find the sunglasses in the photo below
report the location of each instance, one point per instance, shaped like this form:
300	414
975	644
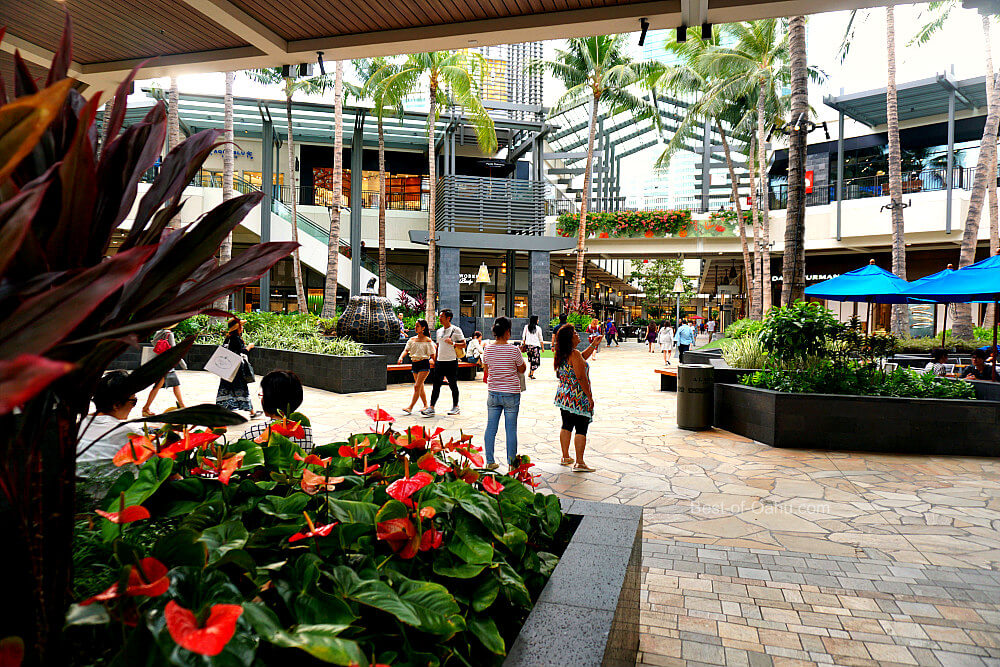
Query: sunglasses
133	401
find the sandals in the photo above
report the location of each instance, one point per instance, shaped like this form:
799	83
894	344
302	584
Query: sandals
583	468
566	461
146	412
408	411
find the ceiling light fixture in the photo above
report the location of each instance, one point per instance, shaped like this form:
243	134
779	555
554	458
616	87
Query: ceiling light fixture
644	27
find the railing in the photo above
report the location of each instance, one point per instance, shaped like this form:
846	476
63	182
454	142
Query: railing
866	187
495	205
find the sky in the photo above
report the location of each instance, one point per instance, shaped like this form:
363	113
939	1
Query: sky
960	44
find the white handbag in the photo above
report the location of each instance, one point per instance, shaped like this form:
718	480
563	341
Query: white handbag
523	381
225	363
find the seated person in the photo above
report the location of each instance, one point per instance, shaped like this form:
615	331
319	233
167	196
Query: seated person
978	370
936	366
103	434
474	351
280	394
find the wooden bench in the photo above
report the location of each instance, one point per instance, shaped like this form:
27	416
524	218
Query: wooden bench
668	378
399	373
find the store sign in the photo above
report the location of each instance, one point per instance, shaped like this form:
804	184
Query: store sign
237	152
466	278
810	277
809	182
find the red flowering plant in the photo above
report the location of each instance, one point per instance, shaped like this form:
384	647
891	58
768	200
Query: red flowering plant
628	224
374	550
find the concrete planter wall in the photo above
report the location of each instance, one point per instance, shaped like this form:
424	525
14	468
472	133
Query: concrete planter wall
343	375
860	423
588	612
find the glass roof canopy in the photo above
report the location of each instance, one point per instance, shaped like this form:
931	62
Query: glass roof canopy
915	99
314	123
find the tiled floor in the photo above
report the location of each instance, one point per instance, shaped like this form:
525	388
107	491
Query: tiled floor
756	555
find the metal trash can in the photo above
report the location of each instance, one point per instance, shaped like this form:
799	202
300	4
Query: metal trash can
695	396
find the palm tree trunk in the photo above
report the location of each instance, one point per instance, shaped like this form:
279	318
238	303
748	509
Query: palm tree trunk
332	283
173	133
430	309
962	327
105	120
228	167
764	257
793	259
300	294
736	199
581	240
991	184
383	272
900	312
753	278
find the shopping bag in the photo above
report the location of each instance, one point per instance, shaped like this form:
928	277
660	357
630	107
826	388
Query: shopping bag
225	363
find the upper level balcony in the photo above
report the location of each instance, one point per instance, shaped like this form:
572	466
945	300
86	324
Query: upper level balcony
490	205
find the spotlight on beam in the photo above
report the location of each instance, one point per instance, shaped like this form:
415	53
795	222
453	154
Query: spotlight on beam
706	31
319	61
682	34
644	27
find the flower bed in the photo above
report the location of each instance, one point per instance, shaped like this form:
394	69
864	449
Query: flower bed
649	224
389	548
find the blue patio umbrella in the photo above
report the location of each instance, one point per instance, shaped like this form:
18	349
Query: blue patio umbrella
869	284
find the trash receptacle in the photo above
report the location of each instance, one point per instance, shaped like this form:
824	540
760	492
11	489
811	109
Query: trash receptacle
695	396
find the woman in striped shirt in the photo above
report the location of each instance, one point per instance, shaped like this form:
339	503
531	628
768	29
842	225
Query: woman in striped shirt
503	363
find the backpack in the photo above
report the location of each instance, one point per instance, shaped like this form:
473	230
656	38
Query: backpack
162	345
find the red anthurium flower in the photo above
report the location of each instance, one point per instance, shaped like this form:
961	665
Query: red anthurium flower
289	429
355	451
402	489
128	515
368	470
314	530
138	450
491	485
222	470
430	463
401	535
379	415
468	475
209	639
188	442
428	512
431	539
151	582
312	459
312	483
475	457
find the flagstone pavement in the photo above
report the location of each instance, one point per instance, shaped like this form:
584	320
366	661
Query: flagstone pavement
753	555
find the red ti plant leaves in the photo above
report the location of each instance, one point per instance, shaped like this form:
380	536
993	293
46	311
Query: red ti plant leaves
60	61
24	376
152	581
16	216
128	515
209	639
25	120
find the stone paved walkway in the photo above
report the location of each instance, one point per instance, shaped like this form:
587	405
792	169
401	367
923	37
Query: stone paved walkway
755	555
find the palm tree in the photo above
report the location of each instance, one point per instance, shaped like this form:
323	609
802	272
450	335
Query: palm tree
373	73
173	132
793	264
692	77
452	80
310	86
228	167
598	70
331	284
900	320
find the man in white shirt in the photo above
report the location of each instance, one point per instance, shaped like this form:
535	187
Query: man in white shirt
450	346
710	327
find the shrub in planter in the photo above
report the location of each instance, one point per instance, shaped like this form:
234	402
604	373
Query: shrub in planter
388	548
743	329
630	224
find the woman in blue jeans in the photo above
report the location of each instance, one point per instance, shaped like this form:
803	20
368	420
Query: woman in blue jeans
503	363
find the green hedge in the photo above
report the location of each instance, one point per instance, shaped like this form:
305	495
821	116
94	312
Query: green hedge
297	332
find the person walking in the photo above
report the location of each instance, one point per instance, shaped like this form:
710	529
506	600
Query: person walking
594	336
531	344
650	335
162	341
665	337
574	397
684	337
235	395
710	328
610	332
503	363
450	345
420	349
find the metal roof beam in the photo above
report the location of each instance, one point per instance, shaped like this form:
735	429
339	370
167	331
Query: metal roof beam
950	84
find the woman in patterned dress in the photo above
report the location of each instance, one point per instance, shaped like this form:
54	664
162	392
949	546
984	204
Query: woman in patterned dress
574	397
531	344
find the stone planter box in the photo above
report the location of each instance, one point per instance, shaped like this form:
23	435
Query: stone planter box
588	613
860	423
343	375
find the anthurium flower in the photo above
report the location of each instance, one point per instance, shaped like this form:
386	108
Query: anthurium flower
355	451
128	515
188	442
312	482
431	539
288	429
430	463
403	488
379	415
138	450
314	530
428	512
223	469
468	475
368	470
491	485
209	639
312	459
152	581
474	456
401	535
